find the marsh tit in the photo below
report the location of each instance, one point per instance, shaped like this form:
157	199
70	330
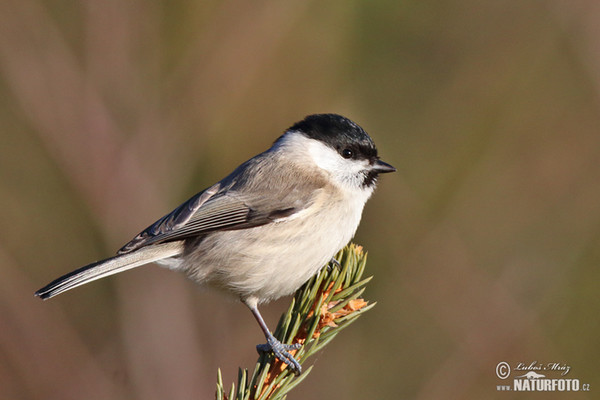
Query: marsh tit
266	228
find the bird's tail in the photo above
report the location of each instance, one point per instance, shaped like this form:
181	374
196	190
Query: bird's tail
110	266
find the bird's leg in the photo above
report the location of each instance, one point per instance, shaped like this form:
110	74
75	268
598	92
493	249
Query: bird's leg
280	350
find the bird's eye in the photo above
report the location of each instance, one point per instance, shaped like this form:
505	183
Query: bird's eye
347	153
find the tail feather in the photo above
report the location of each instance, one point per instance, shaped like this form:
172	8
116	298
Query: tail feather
110	266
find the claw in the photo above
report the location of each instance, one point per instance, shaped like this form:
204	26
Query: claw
281	351
333	262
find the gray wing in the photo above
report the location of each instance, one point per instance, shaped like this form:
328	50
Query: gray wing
217	209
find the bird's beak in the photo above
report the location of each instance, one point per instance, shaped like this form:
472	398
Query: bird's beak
382	167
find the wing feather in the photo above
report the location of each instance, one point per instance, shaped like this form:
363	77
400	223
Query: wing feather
223	207
222	212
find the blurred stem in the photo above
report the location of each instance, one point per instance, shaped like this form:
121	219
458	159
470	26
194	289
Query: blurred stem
320	309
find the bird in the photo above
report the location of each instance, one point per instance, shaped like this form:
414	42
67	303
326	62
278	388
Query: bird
266	228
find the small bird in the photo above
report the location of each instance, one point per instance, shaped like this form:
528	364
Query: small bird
267	227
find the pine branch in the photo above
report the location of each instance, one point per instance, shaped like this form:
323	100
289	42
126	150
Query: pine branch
335	292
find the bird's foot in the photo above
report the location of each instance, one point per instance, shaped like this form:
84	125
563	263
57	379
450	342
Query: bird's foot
282	352
333	263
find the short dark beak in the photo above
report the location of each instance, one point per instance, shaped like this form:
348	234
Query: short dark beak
382	167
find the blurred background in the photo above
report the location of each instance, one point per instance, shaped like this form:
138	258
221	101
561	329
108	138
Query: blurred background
484	245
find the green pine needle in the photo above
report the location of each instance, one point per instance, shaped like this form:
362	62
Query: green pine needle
336	295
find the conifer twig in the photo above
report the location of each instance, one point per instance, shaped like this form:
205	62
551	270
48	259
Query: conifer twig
330	301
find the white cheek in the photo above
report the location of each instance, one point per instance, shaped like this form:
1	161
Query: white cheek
346	172
348	175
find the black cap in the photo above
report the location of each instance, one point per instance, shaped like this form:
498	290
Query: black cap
339	133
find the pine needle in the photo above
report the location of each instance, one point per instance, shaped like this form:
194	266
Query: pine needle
329	302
